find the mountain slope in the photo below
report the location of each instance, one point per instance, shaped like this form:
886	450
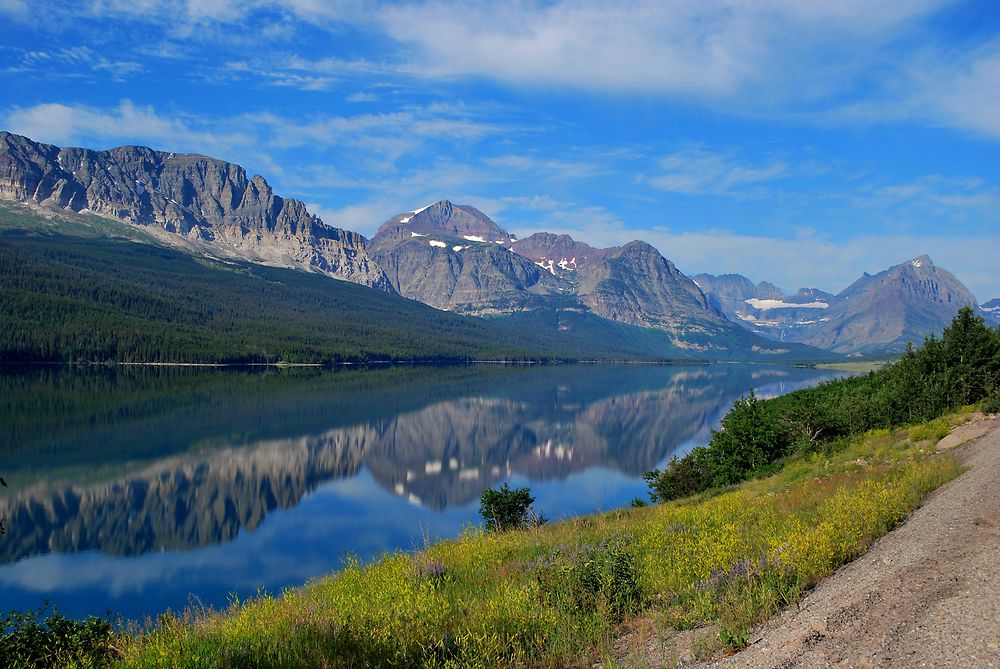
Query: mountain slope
190	201
557	253
904	303
73	291
635	284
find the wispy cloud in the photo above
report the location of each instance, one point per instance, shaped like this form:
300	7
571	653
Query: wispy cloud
842	61
362	96
697	171
72	62
548	168
710	49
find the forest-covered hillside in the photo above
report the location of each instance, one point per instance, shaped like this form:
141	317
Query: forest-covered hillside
73	293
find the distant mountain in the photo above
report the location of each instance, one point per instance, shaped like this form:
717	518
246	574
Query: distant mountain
731	293
879	313
184	200
635	284
991	311
454	257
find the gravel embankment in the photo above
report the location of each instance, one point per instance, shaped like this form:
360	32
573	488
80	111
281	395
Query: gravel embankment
925	595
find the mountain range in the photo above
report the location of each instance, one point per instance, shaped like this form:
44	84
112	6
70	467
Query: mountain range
876	313
454	258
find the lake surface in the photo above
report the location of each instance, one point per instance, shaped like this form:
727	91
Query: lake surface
133	490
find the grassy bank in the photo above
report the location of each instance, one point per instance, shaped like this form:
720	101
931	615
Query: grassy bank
555	595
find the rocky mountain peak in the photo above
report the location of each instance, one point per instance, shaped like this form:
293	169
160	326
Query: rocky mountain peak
636	284
917	280
878	312
553	251
187	200
444	221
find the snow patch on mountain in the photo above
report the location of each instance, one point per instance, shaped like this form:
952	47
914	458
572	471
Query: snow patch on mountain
406	219
779	304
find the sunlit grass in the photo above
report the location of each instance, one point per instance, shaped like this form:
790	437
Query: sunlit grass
556	595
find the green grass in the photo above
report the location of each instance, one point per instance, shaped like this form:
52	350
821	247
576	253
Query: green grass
558	595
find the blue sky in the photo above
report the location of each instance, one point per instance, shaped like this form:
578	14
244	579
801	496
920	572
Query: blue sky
796	142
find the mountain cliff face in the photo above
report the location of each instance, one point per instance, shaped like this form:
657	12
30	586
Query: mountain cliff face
635	284
191	201
903	303
876	313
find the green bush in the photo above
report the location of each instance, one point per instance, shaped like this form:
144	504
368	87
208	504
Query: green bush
507	509
752	436
960	368
992	403
28	640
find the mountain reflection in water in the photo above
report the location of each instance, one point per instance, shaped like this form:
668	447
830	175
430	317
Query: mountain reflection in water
126	462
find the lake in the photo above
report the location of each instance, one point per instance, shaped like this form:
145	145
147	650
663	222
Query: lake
138	489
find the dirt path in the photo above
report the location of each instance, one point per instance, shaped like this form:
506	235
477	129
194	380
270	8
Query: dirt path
925	595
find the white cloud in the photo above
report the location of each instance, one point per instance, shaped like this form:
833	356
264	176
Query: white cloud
362	96
548	168
842	61
376	141
393	132
710	48
364	217
696	171
963	92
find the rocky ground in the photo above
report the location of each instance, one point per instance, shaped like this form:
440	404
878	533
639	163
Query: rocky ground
925	595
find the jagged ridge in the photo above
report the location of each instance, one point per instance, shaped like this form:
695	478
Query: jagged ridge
186	200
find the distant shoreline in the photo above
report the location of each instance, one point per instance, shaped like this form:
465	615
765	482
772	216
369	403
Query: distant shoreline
431	362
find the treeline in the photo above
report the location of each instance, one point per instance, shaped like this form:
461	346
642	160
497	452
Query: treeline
960	368
66	298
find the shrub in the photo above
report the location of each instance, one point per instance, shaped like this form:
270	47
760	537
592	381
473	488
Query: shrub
56	641
992	403
590	577
507	509
682	477
959	369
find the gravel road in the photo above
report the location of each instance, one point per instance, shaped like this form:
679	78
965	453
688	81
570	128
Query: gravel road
925	595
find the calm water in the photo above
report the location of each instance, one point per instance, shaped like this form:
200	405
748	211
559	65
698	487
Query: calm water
130	489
